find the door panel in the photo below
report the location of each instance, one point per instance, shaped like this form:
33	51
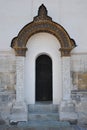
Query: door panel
43	78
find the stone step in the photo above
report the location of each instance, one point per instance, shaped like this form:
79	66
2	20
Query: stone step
38	116
46	125
43	125
42	108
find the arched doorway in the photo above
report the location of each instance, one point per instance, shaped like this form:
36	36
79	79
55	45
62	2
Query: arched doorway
42	23
43	78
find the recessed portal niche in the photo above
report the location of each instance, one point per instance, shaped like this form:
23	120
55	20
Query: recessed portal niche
43	78
38	45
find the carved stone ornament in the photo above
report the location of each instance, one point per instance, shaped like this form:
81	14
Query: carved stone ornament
42	23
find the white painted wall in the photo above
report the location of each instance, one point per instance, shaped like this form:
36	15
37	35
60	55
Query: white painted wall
42	43
72	14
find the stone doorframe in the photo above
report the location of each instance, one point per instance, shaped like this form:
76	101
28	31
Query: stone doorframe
42	23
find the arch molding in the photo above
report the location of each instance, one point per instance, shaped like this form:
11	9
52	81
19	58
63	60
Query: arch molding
42	23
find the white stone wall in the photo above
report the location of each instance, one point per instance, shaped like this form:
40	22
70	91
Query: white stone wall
7	84
79	62
78	70
7	70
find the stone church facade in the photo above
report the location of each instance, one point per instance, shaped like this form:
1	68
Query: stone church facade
42	68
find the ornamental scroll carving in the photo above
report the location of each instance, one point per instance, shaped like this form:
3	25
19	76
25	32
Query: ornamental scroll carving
42	23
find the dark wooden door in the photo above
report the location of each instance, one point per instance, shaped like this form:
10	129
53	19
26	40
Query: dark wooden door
43	78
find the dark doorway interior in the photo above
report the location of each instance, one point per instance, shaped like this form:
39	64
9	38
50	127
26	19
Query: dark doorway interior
43	78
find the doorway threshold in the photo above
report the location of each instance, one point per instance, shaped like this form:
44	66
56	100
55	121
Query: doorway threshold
44	102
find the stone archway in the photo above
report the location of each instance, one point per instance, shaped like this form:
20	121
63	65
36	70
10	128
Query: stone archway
42	23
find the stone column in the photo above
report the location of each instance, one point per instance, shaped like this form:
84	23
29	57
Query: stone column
19	111
20	78
67	107
66	80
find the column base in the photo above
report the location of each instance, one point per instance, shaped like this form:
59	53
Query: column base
19	112
67	112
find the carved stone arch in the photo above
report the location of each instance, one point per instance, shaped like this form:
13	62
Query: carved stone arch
42	23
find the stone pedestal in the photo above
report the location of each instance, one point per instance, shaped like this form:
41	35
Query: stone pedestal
19	112
81	108
67	112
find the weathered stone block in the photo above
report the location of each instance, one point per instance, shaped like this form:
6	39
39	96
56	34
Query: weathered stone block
19	112
79	80
82	81
81	106
67	106
82	112
67	112
68	116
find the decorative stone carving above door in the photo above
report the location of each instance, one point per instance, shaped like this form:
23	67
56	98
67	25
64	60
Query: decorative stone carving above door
42	23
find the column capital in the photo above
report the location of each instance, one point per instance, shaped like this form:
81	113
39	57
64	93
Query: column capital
20	51
65	51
